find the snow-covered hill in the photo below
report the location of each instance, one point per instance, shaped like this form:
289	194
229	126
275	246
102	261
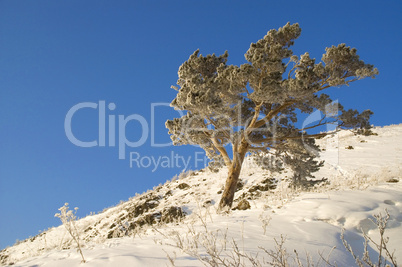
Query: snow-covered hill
148	229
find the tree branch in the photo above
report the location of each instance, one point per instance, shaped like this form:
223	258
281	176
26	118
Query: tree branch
217	128
222	150
321	123
285	138
255	117
287	104
272	113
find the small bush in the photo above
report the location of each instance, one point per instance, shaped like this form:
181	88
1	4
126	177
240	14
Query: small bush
68	218
384	254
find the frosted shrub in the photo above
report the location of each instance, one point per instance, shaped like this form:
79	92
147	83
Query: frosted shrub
185	173
385	256
215	248
265	220
68	218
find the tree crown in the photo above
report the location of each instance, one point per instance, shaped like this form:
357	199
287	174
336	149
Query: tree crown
259	101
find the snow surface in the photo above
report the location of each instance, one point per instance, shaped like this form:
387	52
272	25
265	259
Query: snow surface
358	168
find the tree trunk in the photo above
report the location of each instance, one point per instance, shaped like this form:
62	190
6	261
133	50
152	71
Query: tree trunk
233	177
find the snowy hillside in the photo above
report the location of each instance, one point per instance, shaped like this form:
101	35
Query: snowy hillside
175	222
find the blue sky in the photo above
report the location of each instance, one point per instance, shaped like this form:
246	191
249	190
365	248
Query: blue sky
57	54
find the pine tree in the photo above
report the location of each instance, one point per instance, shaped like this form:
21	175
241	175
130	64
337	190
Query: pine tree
255	107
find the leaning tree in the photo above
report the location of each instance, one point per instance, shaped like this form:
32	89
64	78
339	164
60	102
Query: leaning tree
254	107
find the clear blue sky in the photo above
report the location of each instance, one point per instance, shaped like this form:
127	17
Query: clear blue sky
57	54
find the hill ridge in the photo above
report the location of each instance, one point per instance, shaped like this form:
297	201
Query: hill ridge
352	163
